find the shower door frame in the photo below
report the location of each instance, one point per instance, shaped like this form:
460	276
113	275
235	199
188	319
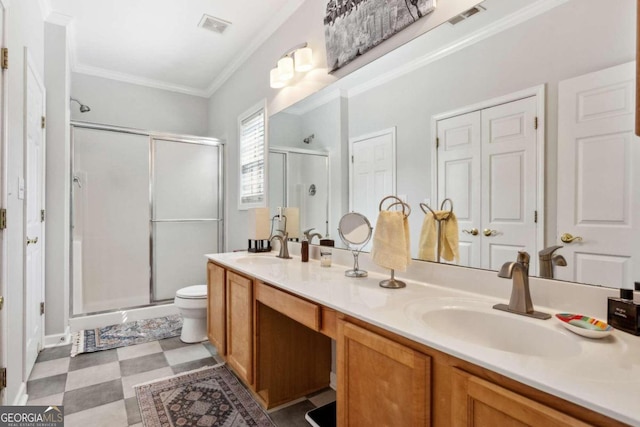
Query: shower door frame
153	136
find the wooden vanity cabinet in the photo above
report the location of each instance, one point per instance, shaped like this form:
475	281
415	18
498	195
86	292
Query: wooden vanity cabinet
476	402
381	382
386	379
217	307
239	344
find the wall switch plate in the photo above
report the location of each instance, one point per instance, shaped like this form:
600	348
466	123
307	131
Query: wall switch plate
20	188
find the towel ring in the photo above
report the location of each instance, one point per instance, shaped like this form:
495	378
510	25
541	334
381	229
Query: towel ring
442	205
405	206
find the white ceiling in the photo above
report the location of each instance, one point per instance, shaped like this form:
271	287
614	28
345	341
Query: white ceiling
158	43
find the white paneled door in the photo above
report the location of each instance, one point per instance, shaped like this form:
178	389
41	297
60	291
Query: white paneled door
34	203
599	210
509	183
487	162
459	179
372	172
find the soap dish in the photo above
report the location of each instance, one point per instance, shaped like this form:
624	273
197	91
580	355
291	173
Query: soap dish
583	325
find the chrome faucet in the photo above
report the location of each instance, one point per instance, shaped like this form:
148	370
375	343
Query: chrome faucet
520	301
309	235
548	260
284	239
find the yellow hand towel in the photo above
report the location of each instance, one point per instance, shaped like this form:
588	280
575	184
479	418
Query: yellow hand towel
428	236
448	237
391	241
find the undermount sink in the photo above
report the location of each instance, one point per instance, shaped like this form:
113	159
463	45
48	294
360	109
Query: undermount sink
259	260
500	331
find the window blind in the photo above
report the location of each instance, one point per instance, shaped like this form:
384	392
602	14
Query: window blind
252	164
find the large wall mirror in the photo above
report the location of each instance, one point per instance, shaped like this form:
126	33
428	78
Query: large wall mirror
514	66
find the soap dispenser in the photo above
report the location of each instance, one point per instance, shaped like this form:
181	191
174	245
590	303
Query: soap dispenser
304	250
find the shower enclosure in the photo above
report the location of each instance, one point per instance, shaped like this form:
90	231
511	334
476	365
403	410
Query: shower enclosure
145	208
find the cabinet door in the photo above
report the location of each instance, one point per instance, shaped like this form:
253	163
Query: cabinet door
240	325
380	382
476	402
216	307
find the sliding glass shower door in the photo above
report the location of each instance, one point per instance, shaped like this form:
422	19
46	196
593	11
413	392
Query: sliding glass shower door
110	222
145	210
186	213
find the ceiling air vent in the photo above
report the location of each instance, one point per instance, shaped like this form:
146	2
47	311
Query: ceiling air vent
214	24
466	14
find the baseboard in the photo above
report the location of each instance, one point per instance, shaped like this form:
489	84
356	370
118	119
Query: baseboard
22	396
333	381
58	339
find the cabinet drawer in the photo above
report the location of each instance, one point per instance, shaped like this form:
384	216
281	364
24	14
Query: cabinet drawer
329	324
296	308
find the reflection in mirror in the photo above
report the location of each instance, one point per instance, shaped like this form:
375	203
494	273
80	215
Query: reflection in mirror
355	231
565	181
299	178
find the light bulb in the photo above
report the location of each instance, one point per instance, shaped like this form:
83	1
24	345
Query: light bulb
304	59
285	68
274	79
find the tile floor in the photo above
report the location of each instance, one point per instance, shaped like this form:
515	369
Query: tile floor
97	388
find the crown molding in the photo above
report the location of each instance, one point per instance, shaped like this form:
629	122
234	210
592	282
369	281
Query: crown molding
129	78
58	18
317	101
477	36
273	25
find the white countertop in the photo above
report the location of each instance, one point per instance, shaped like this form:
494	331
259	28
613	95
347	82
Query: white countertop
603	375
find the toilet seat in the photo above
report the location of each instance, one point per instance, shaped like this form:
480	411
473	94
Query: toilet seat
193	292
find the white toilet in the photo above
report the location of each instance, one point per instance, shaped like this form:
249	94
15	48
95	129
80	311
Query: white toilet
192	303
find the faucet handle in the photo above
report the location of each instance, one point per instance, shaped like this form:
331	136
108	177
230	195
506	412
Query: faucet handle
523	258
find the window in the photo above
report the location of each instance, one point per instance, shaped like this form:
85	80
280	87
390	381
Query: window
252	153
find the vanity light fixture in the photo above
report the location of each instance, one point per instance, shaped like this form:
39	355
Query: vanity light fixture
297	59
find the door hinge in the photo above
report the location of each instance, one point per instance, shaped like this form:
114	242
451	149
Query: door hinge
351	159
41	215
3	378
4	58
437	143
1	302
3	219
41	308
44	122
535	123
535	216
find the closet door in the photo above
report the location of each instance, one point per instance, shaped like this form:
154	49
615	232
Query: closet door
509	183
459	179
186	213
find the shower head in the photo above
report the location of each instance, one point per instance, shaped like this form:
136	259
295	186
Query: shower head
83	108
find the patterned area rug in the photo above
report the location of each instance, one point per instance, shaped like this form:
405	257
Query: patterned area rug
124	334
206	397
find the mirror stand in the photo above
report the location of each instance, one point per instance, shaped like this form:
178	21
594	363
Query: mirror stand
356	272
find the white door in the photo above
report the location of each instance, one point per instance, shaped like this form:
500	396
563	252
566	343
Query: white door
459	179
34	196
3	204
595	133
372	172
509	183
487	161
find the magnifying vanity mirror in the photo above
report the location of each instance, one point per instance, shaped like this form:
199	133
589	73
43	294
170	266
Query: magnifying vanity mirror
355	231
